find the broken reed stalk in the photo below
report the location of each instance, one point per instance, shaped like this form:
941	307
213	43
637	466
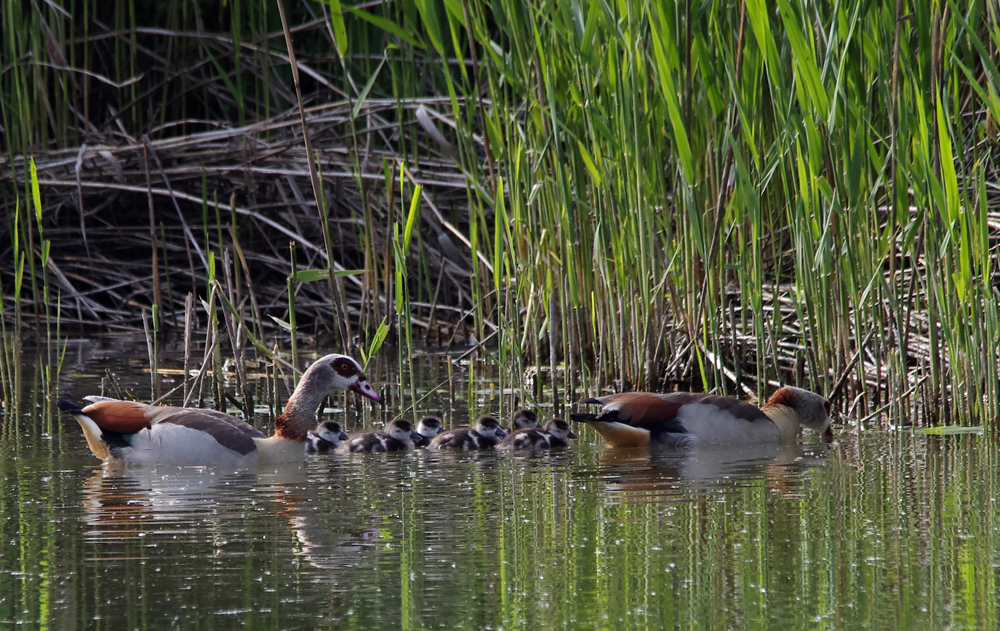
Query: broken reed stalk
189	327
342	324
232	312
292	317
151	350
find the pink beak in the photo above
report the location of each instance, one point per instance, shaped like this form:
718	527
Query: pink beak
365	389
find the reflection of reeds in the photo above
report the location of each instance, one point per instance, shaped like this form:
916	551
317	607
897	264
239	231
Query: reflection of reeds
639	193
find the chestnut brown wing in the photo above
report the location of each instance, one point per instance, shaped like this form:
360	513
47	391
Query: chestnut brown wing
642	408
122	417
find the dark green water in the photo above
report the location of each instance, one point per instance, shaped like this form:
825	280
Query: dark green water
886	530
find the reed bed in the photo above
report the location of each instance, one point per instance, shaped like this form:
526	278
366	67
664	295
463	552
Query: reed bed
726	195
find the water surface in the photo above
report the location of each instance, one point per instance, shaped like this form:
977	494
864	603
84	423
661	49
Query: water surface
881	530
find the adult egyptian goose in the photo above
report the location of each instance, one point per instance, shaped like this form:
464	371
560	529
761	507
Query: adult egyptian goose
638	419
130	433
554	436
326	437
428	428
398	436
485	434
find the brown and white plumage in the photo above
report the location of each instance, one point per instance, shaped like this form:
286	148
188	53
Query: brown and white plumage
428	427
130	433
398	436
326	437
485	434
524	419
554	436
637	419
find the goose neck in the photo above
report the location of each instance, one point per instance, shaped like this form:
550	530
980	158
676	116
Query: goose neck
785	417
300	411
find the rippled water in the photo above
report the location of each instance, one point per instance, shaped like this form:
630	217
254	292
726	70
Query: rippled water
885	530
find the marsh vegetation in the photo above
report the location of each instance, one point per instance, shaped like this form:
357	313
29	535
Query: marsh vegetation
560	197
729	195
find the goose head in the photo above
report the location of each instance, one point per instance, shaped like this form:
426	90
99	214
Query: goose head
812	409
339	372
524	419
429	427
559	429
488	426
402	430
331	432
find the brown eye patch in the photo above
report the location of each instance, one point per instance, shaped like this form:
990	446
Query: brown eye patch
344	367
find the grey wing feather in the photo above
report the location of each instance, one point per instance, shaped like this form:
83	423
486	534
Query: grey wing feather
739	409
228	431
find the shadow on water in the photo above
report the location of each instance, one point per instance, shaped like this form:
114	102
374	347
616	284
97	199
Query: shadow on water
877	530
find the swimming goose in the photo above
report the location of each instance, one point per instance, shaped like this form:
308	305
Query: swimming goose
637	419
428	428
554	436
327	436
398	436
131	433
484	435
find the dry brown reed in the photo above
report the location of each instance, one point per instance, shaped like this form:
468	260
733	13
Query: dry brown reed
253	182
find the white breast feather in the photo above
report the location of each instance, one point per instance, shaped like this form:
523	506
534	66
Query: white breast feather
170	444
709	425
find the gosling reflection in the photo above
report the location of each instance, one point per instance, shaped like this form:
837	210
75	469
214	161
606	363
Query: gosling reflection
323	545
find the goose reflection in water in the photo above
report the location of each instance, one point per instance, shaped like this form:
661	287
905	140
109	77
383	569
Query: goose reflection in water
230	507
124	503
642	475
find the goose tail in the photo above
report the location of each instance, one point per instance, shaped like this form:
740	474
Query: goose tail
93	433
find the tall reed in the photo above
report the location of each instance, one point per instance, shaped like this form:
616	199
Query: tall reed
730	196
824	179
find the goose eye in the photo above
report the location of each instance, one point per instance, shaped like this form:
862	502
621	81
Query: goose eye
343	367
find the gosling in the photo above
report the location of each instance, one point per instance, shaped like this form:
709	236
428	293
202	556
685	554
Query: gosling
428	428
554	436
484	435
326	437
399	436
